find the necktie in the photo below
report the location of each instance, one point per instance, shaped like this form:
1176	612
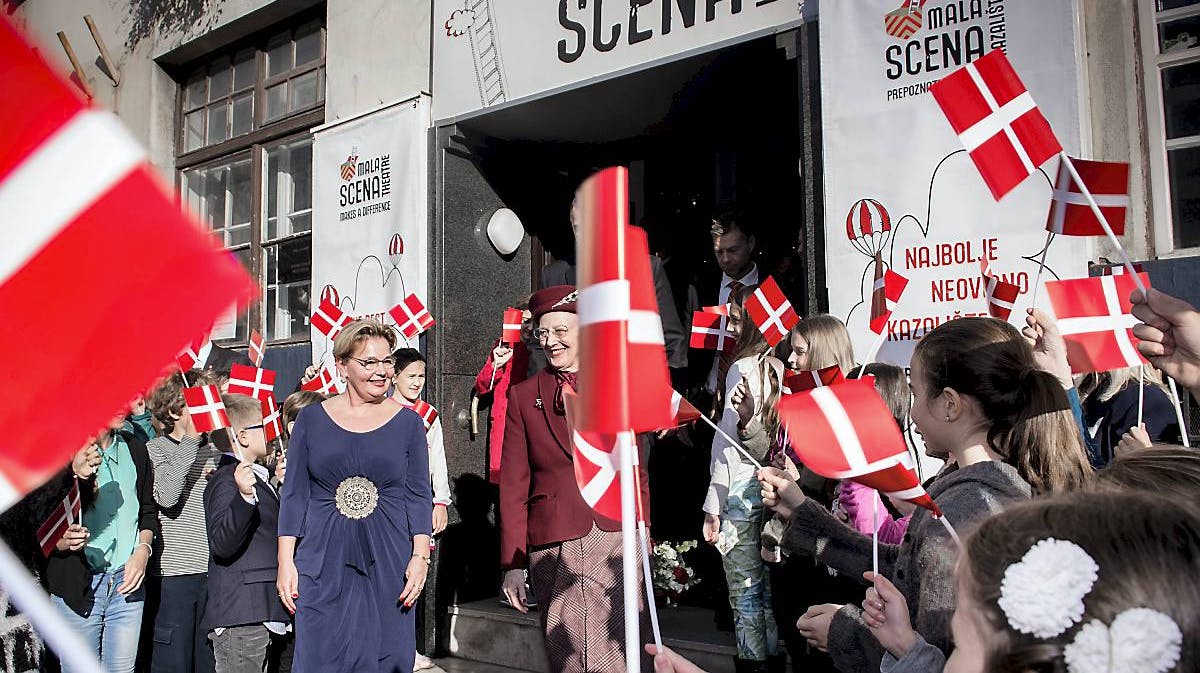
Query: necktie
727	357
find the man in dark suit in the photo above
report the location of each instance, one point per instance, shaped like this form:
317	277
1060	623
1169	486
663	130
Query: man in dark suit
244	616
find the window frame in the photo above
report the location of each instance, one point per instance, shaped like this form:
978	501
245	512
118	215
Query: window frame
1153	65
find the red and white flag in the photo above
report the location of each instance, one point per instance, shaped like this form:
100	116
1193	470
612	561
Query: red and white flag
685	412
597	462
511	331
902	23
189	358
423	409
1070	214
709	330
256	348
272	419
76	189
997	121
412	317
329	319
325	382
884	296
67	513
623	376
771	311
252	381
798	382
207	410
847	432
1000	294
1095	318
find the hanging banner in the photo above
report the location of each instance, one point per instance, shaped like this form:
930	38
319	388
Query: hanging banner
898	183
490	52
370	205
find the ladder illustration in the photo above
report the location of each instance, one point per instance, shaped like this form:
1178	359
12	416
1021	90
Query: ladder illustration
485	52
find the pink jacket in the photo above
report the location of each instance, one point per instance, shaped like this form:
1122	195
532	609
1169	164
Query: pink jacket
855	499
512	372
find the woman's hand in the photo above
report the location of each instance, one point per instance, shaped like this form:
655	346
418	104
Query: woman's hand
743	402
74	539
669	661
418	568
712	528
500	356
1049	347
135	570
814	625
1135	440
86	461
287	582
514	589
780	492
440	517
886	613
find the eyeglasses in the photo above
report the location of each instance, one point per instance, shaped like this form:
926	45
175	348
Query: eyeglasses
373	364
559	332
255	427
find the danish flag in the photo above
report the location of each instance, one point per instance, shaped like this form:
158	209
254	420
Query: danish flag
1000	294
771	311
1070	214
685	412
412	317
597	461
798	382
67	513
207	410
424	409
619	327
255	349
252	381
324	382
847	432
997	121
76	190
902	23
1094	316
190	357
272	418
511	331
885	295
709	330
329	319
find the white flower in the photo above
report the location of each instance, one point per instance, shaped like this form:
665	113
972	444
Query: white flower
1140	640
1042	594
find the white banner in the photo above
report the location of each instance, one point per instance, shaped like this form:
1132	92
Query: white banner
370	205
891	156
490	52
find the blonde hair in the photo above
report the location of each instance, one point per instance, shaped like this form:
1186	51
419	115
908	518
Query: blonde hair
358	331
243	411
828	342
1105	385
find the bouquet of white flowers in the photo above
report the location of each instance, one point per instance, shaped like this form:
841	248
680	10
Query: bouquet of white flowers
672	575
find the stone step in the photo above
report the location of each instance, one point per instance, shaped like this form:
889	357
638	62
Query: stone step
497	635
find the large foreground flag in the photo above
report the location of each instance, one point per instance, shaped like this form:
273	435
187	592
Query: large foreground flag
1070	214
1095	318
597	462
67	513
997	121
76	191
685	412
847	432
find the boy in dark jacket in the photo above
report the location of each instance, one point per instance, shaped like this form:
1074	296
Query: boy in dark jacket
241	508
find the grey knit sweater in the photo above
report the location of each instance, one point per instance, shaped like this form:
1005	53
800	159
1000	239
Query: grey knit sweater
922	566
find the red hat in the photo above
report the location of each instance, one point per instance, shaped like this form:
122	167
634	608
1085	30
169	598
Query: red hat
557	298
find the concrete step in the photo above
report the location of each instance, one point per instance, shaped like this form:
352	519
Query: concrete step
497	635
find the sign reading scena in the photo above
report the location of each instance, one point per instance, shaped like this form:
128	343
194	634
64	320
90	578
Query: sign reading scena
490	52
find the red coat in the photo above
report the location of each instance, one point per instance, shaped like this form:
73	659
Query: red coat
497	382
540	502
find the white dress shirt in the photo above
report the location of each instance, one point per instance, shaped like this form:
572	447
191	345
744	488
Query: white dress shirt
751	278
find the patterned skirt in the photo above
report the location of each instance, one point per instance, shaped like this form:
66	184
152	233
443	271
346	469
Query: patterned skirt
577	585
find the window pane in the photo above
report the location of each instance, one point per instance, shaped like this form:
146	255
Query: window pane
276	102
279	56
1164	5
235	324
243	114
216	182
197	92
193	130
289	189
304	91
289	272
1181	100
1184	166
308	44
239	195
243	70
218	123
1179	35
220	81
220	195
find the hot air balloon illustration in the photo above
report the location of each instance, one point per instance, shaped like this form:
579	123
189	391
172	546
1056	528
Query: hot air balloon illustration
330	294
868	226
396	249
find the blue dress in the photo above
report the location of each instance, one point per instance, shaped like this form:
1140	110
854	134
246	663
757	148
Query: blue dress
355	500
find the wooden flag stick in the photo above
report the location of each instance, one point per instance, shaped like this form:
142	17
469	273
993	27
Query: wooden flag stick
629	568
736	444
1183	431
1141	393
875	532
1087	194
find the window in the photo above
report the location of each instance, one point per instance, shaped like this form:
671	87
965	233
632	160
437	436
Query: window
1172	45
245	167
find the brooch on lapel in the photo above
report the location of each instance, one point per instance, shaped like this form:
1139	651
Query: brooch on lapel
537	404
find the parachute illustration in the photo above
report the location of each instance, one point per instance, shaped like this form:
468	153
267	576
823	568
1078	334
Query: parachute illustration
868	226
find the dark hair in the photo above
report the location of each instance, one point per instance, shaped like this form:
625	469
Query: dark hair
165	401
294	403
1029	420
1146	547
730	220
892	385
1172	471
405	357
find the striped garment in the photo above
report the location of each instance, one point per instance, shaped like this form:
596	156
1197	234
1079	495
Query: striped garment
180	469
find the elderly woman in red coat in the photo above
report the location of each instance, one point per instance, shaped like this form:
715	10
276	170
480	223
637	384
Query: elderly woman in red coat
573	554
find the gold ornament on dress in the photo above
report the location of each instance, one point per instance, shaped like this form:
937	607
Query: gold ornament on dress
356	497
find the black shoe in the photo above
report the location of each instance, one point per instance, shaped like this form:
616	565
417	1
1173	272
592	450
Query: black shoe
749	666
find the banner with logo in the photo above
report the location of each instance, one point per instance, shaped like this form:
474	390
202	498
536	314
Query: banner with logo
489	52
897	181
370	207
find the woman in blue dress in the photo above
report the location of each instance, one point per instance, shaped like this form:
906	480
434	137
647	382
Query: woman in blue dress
355	518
